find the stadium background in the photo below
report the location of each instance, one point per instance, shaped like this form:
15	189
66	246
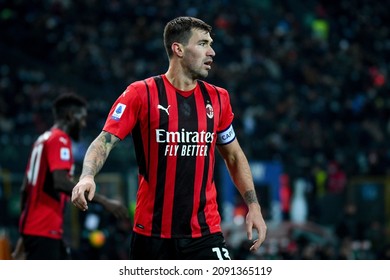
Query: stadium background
309	87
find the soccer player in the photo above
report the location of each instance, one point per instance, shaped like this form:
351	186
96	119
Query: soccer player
176	121
48	184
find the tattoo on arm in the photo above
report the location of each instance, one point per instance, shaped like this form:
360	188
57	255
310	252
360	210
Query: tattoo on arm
98	152
250	197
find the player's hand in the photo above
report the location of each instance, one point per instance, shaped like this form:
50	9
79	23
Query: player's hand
254	220
116	208
85	186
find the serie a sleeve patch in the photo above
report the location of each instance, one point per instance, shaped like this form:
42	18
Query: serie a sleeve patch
118	112
65	153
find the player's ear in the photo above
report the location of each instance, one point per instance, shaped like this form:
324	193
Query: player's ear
177	49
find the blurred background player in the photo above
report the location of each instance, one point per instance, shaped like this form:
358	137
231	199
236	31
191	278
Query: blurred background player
48	183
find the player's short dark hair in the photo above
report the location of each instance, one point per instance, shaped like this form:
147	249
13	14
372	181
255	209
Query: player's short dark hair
179	30
65	103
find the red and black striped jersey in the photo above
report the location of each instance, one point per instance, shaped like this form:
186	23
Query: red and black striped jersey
175	133
44	209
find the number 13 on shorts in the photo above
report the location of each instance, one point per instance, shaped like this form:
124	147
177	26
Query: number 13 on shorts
222	253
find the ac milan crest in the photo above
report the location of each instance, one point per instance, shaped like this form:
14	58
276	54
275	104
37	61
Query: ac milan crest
209	111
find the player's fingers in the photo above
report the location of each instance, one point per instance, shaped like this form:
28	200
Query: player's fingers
262	235
74	195
78	199
82	202
262	230
256	245
249	226
91	194
79	205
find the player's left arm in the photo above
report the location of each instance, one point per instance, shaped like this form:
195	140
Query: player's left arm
63	183
241	175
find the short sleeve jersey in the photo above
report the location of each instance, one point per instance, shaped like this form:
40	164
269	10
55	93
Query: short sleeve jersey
175	134
44	209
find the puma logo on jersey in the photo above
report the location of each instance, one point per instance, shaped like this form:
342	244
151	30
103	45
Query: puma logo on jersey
163	108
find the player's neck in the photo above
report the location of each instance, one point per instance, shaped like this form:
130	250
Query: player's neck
62	126
179	80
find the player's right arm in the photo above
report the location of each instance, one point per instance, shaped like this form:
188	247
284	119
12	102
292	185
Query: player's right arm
94	160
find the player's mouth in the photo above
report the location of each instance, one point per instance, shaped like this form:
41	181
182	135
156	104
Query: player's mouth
208	64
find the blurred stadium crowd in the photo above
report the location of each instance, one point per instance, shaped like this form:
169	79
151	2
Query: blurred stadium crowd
308	82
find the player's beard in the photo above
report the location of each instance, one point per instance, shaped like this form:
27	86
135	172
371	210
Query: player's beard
194	68
198	73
